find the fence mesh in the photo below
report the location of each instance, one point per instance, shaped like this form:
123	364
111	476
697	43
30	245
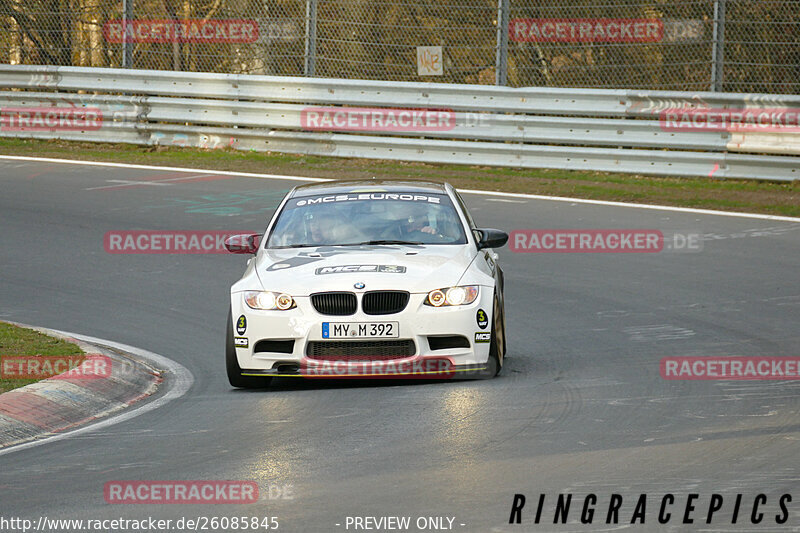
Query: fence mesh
658	45
726	45
762	46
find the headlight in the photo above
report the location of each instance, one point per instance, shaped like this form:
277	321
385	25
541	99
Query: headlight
268	300
463	295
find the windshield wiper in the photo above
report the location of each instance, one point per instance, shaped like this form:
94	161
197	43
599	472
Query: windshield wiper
365	243
387	241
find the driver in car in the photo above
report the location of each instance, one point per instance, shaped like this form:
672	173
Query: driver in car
417	223
321	228
416	226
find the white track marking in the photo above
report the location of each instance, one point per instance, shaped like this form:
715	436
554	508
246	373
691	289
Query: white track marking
179	383
464	191
154	167
122	183
132	183
638	206
506	201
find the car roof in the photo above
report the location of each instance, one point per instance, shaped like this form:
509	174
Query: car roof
356	186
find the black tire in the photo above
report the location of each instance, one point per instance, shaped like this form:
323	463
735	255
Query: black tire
503	329
235	376
497	346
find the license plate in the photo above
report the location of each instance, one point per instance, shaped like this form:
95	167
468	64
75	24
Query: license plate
359	330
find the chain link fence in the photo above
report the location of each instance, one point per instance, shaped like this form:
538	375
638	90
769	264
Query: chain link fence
722	45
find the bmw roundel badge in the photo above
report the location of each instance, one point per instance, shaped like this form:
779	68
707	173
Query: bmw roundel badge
359	285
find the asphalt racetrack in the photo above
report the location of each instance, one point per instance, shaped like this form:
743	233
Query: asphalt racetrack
580	408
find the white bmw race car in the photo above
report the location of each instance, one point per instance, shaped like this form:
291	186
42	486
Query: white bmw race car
367	279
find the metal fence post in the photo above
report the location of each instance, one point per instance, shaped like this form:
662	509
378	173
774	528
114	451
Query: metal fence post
311	38
501	66
127	45
718	52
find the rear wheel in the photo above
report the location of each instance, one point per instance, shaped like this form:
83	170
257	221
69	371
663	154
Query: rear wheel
235	376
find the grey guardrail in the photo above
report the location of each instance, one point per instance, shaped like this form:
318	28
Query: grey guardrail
587	129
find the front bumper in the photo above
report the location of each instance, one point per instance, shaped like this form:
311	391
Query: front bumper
291	332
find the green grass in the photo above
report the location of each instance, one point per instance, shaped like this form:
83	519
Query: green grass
16	341
778	198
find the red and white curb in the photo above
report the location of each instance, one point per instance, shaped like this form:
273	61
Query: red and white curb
54	408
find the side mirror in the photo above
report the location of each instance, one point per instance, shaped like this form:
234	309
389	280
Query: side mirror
246	243
491	238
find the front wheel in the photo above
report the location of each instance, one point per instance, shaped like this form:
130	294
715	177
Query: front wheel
235	377
497	346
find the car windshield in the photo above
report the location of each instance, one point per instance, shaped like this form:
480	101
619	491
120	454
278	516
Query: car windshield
367	218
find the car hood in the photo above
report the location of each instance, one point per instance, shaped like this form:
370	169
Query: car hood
303	271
